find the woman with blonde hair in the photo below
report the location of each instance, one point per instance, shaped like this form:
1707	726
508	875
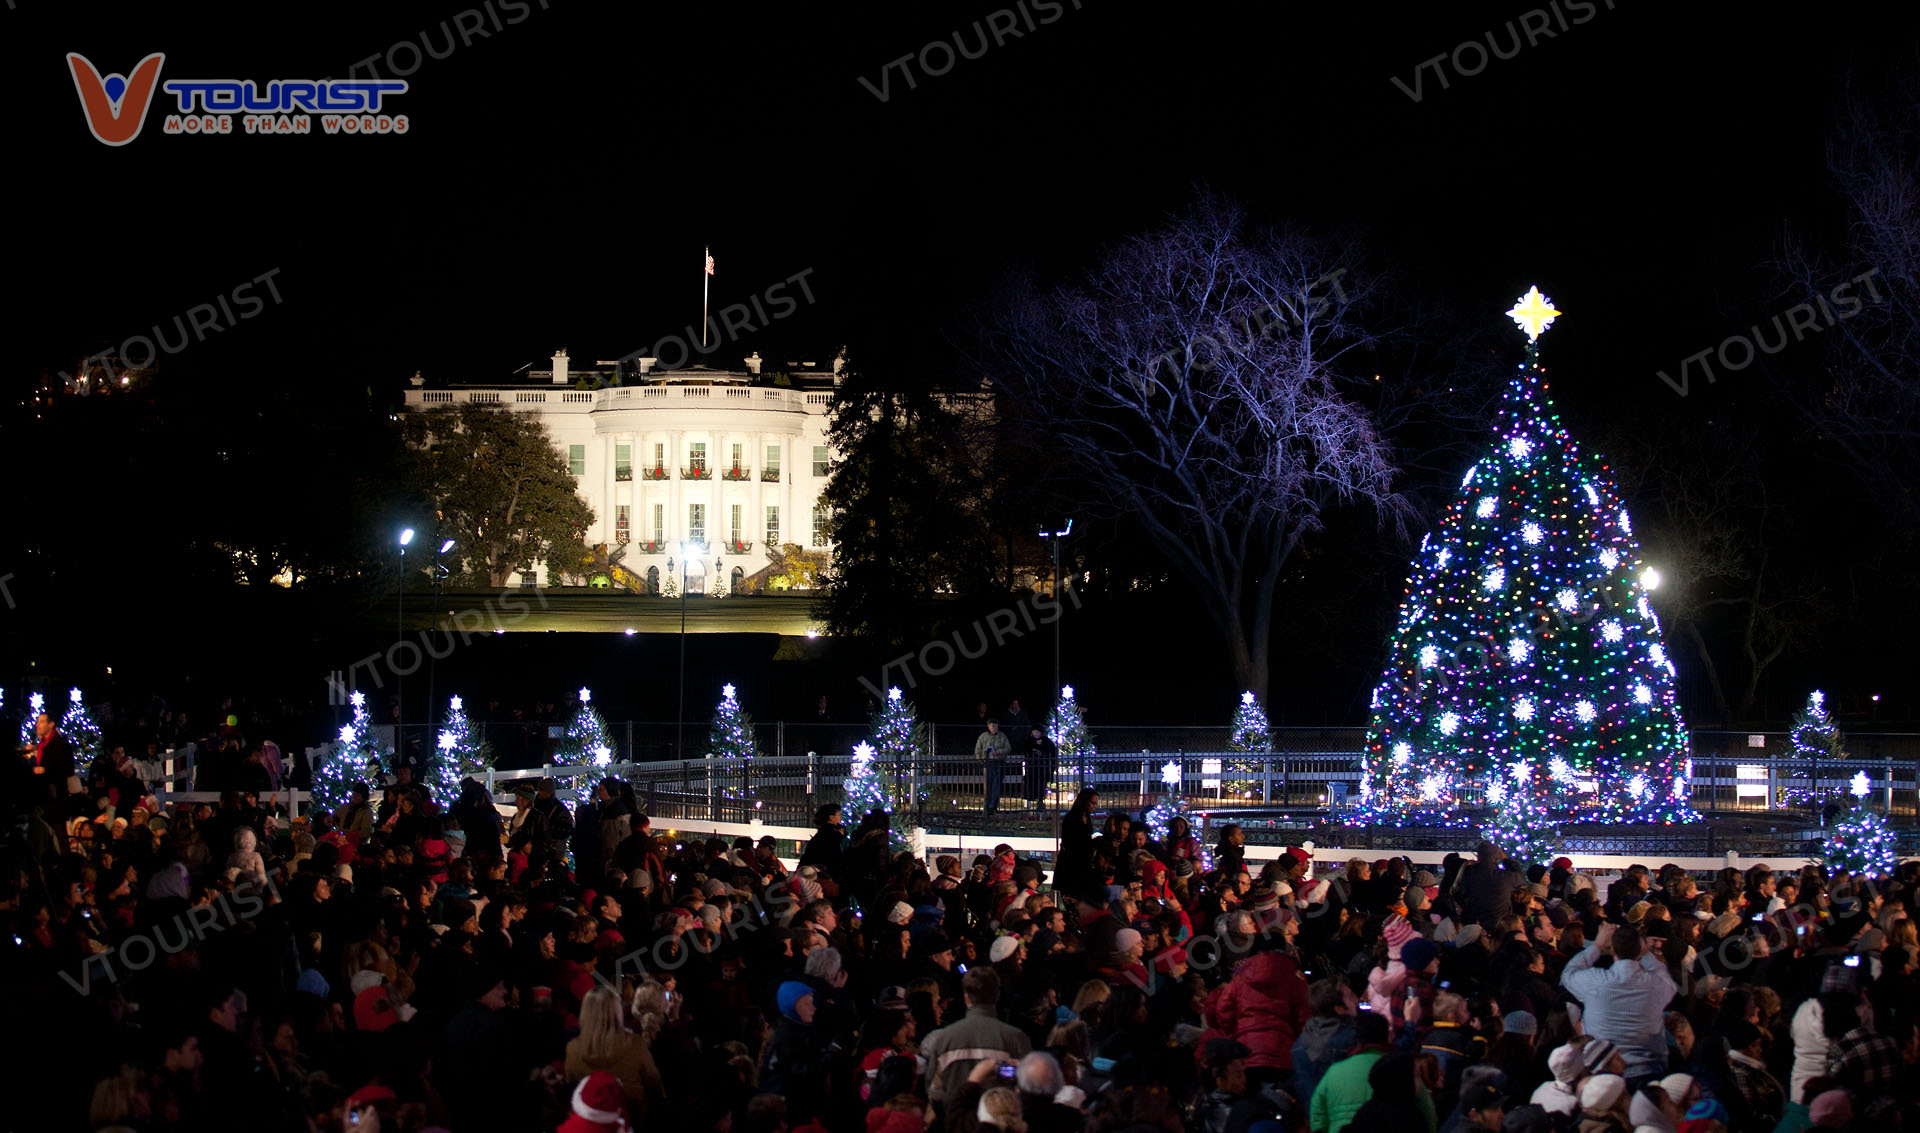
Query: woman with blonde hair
1000	1108
604	1043
650	1009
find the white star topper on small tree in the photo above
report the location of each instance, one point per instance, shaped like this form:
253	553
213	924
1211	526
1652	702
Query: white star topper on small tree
1534	312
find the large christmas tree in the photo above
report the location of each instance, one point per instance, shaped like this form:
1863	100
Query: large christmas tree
1816	751
900	745
1528	652
333	780
461	754
587	741
81	730
1068	731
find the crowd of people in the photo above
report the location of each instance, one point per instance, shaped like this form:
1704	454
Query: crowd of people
413	963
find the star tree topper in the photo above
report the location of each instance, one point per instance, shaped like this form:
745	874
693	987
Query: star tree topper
1533	312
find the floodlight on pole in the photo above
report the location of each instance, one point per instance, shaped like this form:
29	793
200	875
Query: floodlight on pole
1057	537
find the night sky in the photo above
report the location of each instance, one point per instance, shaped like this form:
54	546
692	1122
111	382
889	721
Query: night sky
561	175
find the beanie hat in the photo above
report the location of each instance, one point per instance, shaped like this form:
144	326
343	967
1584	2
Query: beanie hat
1596	1054
1397	932
1003	947
1709	1109
1838	978
1602	1092
1125	940
1833	1108
1418	953
901	913
1521	1023
599	1106
313	983
1676	1085
713	887
789	997
1565	1064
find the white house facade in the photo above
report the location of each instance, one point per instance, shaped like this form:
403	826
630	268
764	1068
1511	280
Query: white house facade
701	469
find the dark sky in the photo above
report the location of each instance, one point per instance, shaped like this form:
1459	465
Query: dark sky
562	174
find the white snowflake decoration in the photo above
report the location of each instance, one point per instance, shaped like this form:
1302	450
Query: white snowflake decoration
1612	632
1449	723
1626	523
1519	447
1429	656
1561	770
1522	773
1593	497
893	694
602	755
1569	600
1488	505
1609	558
586	694
1637	787
457	703
359	698
346	733
1431	786
446	741
1441	558
1523	709
1496	792
1584	711
1496	578
1861	785
1517	649
1402	753
1246	698
1532	533
1643	694
1170	773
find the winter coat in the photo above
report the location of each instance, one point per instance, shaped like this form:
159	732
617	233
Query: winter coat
1485	892
1264	1007
1810	1048
1325	1040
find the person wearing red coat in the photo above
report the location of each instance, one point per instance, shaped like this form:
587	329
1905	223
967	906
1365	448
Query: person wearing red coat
1263	1007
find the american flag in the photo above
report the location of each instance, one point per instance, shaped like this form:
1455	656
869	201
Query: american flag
709	263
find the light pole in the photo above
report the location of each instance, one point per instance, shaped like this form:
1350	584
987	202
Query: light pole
439	572
680	714
400	675
1057	537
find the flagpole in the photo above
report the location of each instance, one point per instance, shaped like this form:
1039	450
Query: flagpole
706	282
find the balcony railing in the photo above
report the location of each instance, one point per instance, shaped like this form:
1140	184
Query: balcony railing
623	474
699	473
737	473
736	547
651	546
656	473
770	476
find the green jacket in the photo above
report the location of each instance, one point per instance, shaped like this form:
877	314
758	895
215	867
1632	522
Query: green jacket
992	745
1344	1090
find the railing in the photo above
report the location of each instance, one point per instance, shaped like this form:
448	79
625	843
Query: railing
736	547
651	546
577	395
770	476
436	397
526	396
654	474
483	397
700	473
737	473
622	475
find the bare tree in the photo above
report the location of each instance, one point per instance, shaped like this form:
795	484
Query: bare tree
1194	380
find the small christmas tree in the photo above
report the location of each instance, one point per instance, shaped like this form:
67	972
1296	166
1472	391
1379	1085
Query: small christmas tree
587	741
731	742
899	738
1816	750
1521	824
333	780
1251	735
1068	730
864	787
29	730
1862	842
81	731
1172	804
461	755
672	589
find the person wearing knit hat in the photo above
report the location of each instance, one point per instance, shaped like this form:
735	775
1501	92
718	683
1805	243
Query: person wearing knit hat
1601	1058
1520	1023
795	1000
599	1106
1003	948
1603	1100
900	914
1126	941
1561	1094
1681	1088
1419	954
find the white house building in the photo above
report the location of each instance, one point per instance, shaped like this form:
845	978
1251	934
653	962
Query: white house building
700	468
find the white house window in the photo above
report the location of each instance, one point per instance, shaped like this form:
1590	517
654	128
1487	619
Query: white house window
622	523
739	458
820	525
773	526
659	523
697	455
733	517
623	462
659	454
771	469
697	522
577	459
819	460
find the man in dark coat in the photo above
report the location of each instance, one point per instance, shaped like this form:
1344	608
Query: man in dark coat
1485	890
824	849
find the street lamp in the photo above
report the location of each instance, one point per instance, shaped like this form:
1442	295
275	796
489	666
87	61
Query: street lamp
399	632
1057	537
680	715
439	573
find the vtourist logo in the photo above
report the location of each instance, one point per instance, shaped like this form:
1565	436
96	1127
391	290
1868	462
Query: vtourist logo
116	106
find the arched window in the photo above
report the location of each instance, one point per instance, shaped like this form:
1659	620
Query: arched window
653	580
739	581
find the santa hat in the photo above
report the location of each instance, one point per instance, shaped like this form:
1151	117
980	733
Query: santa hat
599	1106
